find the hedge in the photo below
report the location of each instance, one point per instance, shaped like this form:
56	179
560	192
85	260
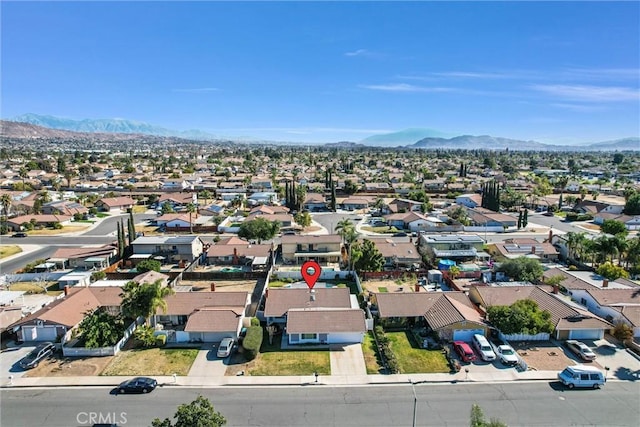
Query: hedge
252	342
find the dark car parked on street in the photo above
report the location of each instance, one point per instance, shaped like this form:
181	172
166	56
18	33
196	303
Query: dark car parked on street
138	385
41	352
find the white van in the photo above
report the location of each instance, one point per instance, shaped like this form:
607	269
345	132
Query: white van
484	348
582	376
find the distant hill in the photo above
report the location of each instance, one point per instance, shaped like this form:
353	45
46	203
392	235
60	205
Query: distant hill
30	126
109	126
403	137
18	130
486	142
624	144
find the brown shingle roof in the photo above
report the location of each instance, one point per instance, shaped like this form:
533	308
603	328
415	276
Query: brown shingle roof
185	303
570	281
70	310
560	311
312	238
280	301
325	320
412	304
117	201
151	277
106	250
447	311
210	319
613	297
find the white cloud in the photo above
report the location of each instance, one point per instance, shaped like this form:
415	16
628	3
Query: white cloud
197	90
603	73
404	87
359	52
590	93
579	107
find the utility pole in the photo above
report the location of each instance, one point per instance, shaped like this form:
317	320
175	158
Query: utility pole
415	402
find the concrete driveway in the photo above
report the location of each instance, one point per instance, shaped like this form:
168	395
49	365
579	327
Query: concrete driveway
207	364
347	360
622	364
9	359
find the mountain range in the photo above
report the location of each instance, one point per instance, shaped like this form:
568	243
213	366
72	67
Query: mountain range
417	138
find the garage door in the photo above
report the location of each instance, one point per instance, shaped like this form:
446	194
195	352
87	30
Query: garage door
586	334
35	333
466	334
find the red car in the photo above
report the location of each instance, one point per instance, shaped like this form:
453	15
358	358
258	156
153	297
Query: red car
464	351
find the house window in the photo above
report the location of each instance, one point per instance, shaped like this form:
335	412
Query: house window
309	336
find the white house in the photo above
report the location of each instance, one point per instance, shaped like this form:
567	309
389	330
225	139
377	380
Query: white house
469	200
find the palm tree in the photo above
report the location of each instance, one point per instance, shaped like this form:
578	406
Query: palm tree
144	299
575	243
5	201
632	257
191	208
206	195
605	247
622	245
343	227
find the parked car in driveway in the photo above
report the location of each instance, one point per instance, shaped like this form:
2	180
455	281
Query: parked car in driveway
224	349
581	350
38	354
464	351
138	385
484	348
507	355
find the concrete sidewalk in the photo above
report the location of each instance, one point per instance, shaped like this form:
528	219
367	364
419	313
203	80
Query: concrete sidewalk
249	381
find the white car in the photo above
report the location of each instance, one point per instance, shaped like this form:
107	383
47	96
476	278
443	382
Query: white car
225	347
483	348
507	355
581	349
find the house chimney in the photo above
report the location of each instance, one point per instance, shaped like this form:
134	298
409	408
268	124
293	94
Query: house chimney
213	286
533	249
416	287
550	234
555	289
266	293
66	290
605	283
312	295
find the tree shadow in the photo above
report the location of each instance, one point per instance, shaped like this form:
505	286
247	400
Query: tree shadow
627	374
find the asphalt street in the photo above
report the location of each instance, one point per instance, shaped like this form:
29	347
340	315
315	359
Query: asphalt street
526	404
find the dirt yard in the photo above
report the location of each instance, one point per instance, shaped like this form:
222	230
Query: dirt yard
543	356
221	285
70	367
390	286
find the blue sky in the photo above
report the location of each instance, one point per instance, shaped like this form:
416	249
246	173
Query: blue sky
329	71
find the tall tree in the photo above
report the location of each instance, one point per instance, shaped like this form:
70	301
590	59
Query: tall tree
199	413
191	208
144	299
5	201
367	257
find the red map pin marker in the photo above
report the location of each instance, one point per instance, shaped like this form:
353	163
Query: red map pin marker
310	273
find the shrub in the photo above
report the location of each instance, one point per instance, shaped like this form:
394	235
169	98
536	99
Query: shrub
144	336
161	340
98	275
622	331
252	342
255	321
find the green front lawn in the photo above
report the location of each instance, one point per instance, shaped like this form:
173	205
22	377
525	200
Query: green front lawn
9	250
413	359
34	288
370	354
152	361
272	361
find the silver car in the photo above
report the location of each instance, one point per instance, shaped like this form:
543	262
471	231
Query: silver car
225	347
581	349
